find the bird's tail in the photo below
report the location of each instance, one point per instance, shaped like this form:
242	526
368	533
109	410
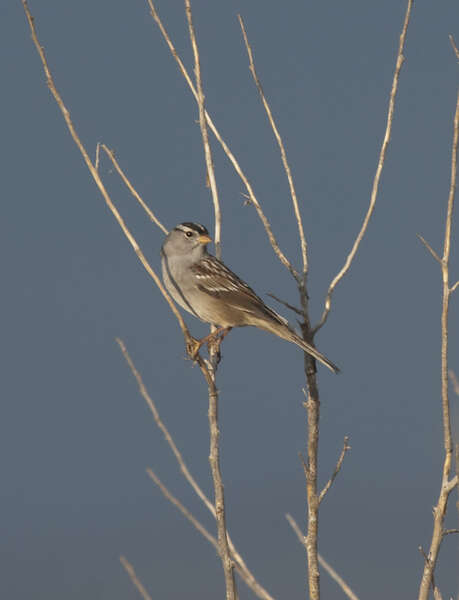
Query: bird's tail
313	352
282	329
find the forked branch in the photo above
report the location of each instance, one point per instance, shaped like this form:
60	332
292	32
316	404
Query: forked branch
251	194
296	209
240	564
330	570
447	483
377	177
95	174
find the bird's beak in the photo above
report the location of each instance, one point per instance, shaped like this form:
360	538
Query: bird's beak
204	239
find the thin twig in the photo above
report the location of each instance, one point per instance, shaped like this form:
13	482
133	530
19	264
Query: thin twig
176	452
286	304
453	287
253	199
450	531
203	127
185	512
454	381
243	570
97	159
128	184
135	580
96	176
338	466
214	456
382	156
239	564
447	484
303	243
429	248
453	44
330	570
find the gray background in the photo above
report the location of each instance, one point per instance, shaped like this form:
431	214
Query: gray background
75	437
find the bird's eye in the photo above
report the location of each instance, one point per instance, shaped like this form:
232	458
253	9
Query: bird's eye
188	233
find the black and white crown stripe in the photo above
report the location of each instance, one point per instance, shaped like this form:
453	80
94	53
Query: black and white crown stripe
196	227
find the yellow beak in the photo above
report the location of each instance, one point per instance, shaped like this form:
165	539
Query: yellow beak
204	239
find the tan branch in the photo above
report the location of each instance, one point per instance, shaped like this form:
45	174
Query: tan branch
286	304
96	176
204	133
185	512
382	156
130	187
253	199
447	484
97	159
280	143
135	580
454	286
453	44
243	570
214	456
454	381
239	565
337	469
330	570
429	248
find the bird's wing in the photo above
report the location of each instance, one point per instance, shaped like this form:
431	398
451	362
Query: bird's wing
215	279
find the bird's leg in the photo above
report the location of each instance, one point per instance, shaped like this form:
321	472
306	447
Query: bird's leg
218	340
195	345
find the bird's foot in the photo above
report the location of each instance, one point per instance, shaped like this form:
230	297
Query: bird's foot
192	347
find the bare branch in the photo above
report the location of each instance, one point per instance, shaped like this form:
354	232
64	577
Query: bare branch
304	247
453	287
96	177
238	563
176	452
330	570
382	156
214	456
97	159
286	304
266	224
429	248
135	580
454	381
205	136
338	466
453	44
450	531
244	571
185	512
128	184
447	484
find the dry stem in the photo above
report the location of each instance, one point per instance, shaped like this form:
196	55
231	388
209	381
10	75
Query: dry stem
338	466
330	570
203	126
135	580
253	200
128	184
374	191
243	570
304	246
96	177
239	565
447	484
214	456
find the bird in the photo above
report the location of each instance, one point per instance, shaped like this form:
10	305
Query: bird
205	287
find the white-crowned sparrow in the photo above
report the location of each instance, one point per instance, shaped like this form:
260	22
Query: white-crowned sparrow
205	287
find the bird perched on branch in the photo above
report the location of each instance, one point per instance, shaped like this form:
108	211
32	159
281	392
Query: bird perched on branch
205	287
